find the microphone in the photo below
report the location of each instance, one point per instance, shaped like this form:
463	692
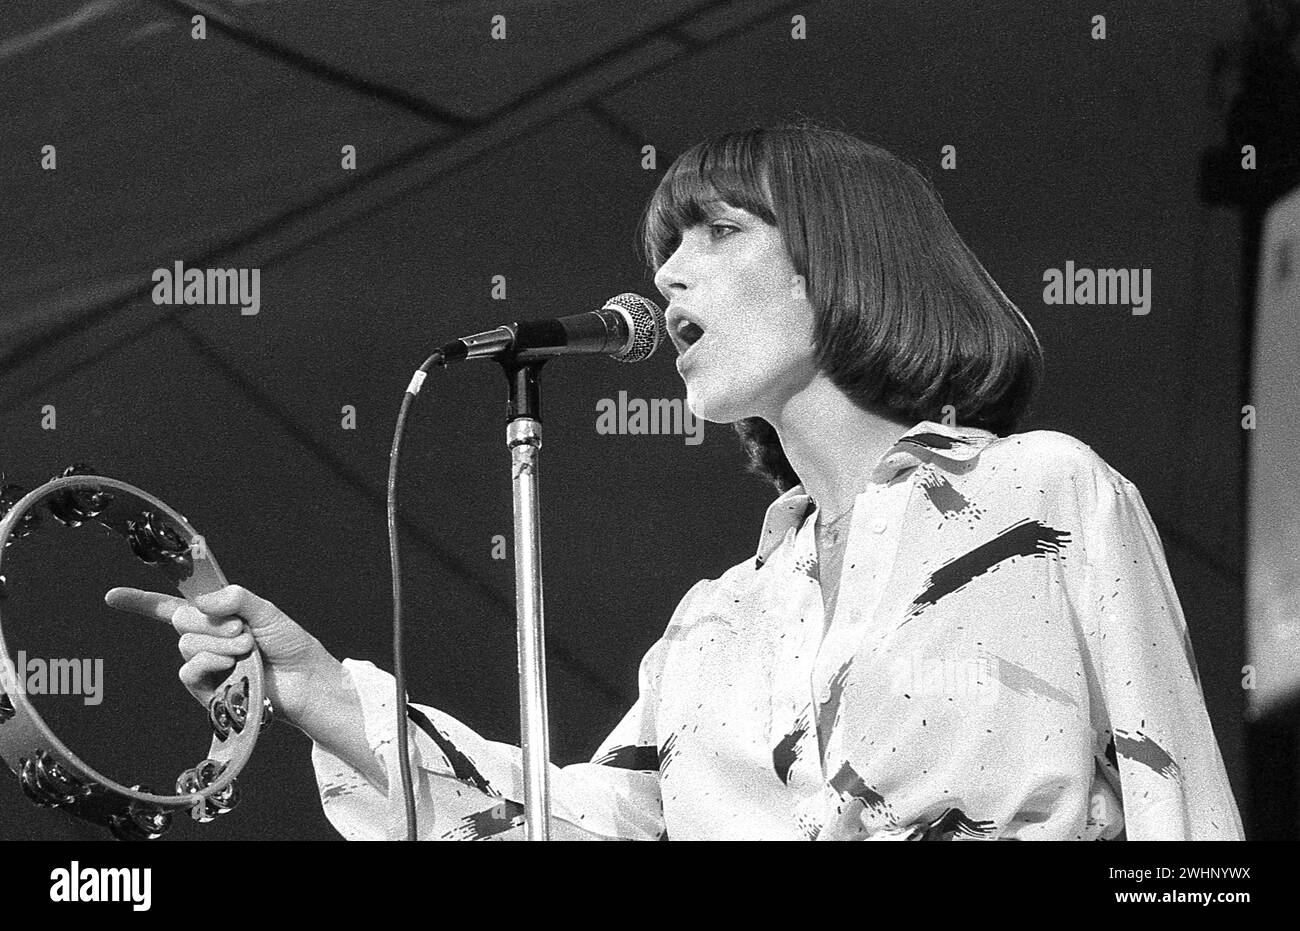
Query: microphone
629	328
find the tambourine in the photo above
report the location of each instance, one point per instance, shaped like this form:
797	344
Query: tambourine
50	774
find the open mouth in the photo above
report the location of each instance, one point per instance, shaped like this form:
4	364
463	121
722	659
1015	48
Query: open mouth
689	333
683	329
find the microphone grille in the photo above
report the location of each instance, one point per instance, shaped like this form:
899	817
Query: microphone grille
647	323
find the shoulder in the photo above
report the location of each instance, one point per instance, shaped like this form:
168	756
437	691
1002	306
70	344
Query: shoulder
1053	457
1050	447
1050	473
719	593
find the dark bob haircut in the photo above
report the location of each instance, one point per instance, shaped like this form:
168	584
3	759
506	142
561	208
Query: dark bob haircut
908	324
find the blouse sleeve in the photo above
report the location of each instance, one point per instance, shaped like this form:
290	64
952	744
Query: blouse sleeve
1160	753
470	788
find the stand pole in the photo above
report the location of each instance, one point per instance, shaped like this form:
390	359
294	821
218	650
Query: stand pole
524	439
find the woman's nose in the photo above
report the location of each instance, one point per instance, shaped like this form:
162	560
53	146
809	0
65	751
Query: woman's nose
669	278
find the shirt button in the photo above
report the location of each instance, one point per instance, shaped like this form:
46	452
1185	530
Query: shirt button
878	526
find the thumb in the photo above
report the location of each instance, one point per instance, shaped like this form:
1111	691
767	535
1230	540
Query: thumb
236	600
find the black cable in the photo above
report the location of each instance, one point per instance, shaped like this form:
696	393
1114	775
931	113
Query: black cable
399	673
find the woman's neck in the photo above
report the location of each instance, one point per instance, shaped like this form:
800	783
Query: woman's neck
833	444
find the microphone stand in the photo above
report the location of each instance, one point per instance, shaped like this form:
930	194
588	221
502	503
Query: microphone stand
524	439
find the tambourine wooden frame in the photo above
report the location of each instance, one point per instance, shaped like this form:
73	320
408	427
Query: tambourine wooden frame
25	737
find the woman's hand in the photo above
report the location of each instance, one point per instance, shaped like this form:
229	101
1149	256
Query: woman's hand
218	628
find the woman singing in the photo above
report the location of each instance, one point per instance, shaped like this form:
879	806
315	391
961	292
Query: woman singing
948	631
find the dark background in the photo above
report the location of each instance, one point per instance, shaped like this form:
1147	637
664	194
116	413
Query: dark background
522	158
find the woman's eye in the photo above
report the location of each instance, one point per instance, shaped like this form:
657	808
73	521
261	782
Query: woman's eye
719	227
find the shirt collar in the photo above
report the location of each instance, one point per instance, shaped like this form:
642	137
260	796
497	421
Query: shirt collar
926	442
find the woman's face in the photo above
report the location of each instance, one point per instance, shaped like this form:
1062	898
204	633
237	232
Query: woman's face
732	276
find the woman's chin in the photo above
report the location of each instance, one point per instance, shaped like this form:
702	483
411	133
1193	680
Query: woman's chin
713	409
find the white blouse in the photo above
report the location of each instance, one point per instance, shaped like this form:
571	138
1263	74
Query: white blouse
1007	660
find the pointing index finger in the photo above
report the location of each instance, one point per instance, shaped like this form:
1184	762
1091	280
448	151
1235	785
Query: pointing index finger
149	604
